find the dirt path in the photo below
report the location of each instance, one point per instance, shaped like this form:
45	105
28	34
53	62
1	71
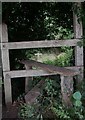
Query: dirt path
11	111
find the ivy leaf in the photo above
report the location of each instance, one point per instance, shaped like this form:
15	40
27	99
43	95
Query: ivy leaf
77	95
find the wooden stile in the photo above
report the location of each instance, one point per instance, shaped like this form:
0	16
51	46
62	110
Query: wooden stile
66	73
66	81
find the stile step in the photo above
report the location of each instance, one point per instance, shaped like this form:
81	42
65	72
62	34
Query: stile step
50	68
31	96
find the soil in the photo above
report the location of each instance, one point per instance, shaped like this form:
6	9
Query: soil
10	111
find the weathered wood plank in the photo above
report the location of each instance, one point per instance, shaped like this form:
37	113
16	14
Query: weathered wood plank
5	60
6	65
7	88
0	33
32	95
5	52
78	33
0	99
31	73
4	34
28	80
28	73
66	90
50	68
0	91
40	44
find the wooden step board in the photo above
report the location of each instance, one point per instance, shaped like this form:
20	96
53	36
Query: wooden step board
50	68
31	96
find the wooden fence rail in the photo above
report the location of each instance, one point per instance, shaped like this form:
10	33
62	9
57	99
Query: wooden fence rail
31	73
40	44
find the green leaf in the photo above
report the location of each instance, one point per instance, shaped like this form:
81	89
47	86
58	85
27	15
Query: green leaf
77	95
78	103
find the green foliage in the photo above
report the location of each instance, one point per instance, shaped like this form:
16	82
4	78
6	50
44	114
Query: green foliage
60	112
81	42
37	21
50	62
77	95
40	21
55	32
49	87
49	100
77	98
64	33
64	59
77	112
78	108
78	103
26	111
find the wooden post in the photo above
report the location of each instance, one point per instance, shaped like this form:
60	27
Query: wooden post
66	90
0	77
78	32
6	64
28	80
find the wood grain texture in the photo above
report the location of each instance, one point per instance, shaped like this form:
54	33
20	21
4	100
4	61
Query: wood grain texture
50	68
35	73
6	65
78	33
28	80
40	44
67	90
32	95
7	88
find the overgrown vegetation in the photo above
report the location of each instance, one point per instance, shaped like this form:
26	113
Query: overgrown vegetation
43	21
50	100
65	58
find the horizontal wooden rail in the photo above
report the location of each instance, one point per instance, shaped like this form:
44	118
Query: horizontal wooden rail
27	73
40	44
31	73
49	68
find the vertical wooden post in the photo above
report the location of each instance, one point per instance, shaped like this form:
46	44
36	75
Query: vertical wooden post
66	90
78	32
0	77
6	64
28	80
